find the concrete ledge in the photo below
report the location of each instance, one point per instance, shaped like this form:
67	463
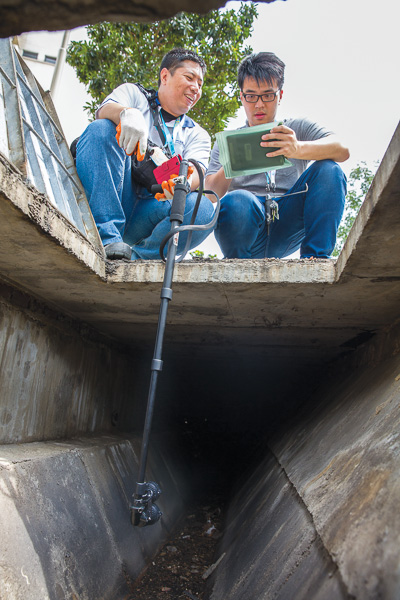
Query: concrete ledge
64	513
227	271
34	228
373	246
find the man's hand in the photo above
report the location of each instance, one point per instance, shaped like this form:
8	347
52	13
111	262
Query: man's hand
132	132
328	147
284	138
168	186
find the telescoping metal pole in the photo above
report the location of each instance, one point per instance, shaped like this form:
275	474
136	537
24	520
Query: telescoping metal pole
143	510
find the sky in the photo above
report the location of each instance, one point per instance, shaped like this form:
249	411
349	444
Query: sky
342	70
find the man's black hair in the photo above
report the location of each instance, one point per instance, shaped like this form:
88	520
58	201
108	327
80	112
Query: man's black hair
172	61
264	66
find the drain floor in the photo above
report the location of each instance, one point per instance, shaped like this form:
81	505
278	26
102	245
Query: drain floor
183	567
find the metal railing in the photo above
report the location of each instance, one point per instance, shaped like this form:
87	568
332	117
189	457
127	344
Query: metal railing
31	138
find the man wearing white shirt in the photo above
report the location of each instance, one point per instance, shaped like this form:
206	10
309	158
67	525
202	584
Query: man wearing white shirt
131	221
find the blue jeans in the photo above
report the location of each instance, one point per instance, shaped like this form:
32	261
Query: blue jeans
307	221
122	210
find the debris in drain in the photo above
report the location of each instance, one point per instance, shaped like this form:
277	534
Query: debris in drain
211	569
189	595
182	567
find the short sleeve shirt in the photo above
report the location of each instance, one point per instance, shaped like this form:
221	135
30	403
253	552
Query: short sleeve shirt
190	140
306	131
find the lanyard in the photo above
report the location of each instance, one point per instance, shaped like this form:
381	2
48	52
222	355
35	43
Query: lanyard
170	139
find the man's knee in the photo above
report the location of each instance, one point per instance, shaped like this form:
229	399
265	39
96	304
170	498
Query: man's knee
207	209
241	214
328	169
99	132
239	203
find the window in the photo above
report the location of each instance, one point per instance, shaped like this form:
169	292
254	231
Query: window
50	59
29	54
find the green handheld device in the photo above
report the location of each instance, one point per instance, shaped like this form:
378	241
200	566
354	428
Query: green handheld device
241	153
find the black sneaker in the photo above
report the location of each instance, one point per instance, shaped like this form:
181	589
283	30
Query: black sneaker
117	251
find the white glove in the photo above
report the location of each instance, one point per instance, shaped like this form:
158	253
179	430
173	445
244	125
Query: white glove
132	132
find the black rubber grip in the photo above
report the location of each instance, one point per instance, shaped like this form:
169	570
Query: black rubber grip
156	189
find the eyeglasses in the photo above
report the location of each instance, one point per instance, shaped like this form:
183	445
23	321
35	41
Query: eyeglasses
268	97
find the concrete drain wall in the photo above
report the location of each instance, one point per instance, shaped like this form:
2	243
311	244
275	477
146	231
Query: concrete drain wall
65	518
319	517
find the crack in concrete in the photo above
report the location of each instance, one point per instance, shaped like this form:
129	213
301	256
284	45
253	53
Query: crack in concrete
318	537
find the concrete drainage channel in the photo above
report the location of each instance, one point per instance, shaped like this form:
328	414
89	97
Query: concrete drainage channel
307	482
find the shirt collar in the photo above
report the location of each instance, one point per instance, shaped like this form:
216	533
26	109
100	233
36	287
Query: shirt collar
188	122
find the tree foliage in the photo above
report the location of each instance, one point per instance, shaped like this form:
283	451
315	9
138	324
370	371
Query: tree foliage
132	52
359	182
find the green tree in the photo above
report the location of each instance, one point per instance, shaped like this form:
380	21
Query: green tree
358	184
131	52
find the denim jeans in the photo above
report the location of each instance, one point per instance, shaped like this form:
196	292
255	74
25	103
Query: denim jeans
308	221
122	210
